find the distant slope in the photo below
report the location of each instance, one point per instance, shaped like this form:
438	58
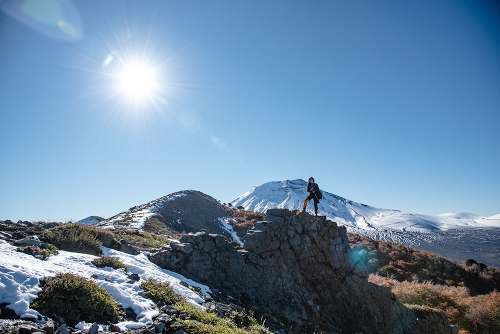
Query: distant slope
458	236
92	220
183	211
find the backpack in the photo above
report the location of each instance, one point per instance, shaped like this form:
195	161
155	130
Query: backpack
318	194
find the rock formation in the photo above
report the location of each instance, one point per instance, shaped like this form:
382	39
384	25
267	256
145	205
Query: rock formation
300	266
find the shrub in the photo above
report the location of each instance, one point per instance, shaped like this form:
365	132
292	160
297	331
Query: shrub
161	292
474	314
483	315
448	299
198	321
38	252
109	261
470	262
143	238
74	238
50	250
406	263
107	237
74	299
202	322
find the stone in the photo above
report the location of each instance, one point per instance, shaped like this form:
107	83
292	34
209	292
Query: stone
114	328
126	247
63	329
299	266
94	329
31	240
134	277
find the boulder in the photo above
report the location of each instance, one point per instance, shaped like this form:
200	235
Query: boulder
295	265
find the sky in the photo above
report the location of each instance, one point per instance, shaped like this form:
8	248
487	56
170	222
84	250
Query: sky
105	105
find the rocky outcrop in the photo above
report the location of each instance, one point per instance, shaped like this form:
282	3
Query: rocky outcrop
300	266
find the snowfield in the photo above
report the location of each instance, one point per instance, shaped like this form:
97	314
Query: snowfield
20	275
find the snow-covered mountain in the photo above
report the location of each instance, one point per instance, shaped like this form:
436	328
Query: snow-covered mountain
91	220
455	235
290	194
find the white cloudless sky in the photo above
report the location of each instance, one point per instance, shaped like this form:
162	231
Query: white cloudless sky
392	104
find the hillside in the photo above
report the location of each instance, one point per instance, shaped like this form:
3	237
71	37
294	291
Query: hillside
180	212
455	235
22	268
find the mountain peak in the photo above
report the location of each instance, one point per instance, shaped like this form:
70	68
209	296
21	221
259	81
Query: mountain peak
290	194
182	211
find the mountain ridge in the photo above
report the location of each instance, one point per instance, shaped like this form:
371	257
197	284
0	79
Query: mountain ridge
458	236
290	194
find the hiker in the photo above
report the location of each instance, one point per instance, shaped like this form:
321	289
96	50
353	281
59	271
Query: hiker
314	194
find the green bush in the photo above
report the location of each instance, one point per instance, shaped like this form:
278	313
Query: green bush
198	321
470	262
142	238
39	252
391	271
109	261
80	238
201	322
50	250
161	292
75	299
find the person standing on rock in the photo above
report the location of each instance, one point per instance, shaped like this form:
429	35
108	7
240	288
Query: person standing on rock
314	194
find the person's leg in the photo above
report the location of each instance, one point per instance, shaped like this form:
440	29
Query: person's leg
305	204
315	206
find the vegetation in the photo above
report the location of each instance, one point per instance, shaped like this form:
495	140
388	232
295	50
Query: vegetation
473	314
196	321
243	220
80	238
39	252
145	239
404	263
109	261
74	299
50	250
161	292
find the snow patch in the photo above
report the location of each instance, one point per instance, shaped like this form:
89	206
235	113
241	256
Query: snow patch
20	275
227	227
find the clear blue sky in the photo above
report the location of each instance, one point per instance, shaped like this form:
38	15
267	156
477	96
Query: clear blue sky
395	104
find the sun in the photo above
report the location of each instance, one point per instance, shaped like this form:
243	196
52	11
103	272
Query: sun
137	81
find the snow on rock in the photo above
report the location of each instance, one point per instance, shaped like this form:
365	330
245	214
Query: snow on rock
227	227
20	275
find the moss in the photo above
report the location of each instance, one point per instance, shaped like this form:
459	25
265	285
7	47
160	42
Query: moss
109	261
75	299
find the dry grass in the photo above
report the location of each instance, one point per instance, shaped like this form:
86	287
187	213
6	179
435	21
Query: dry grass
474	314
243	220
405	263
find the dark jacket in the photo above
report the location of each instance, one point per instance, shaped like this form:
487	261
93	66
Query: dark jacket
312	188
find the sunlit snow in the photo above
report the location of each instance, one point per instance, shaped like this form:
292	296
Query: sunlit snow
20	274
